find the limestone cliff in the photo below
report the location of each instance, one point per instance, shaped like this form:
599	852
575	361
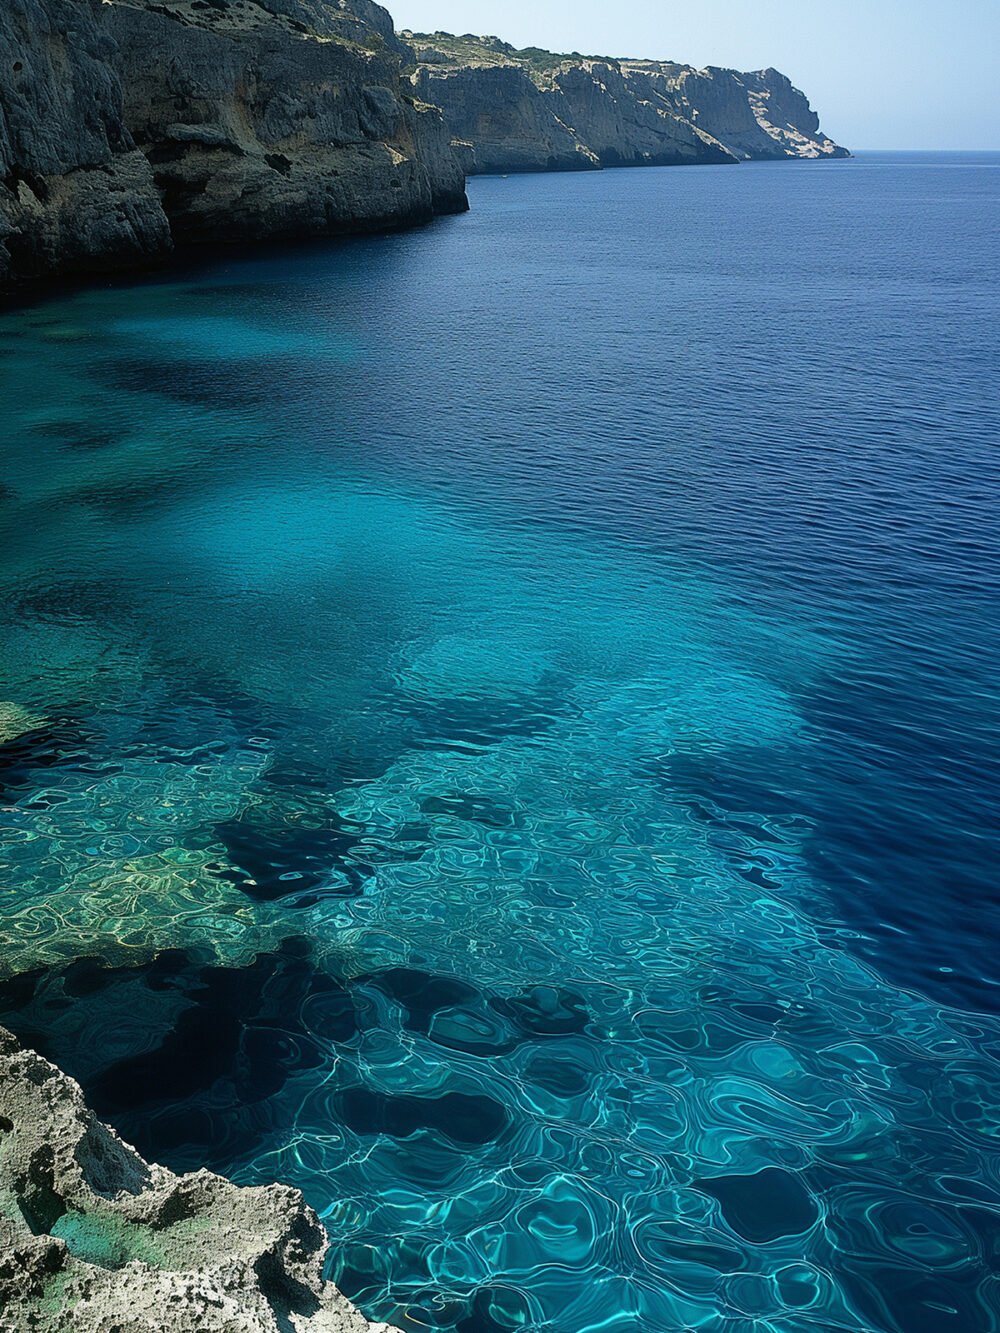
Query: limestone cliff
74	192
534	110
279	118
94	1239
501	123
758	116
129	123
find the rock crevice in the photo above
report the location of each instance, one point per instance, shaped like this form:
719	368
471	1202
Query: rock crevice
94	1239
128	125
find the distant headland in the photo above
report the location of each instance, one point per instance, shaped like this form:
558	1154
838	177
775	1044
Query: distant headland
534	110
129	126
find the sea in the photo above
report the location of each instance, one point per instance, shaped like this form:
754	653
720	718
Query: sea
499	729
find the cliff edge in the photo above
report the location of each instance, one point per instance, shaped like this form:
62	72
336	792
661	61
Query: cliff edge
127	125
75	193
270	119
527	109
93	1239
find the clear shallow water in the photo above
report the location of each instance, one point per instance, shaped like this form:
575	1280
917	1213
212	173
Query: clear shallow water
499	732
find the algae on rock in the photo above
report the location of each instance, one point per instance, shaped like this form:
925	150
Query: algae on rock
93	1238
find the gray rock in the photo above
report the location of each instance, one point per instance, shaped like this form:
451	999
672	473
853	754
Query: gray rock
584	117
533	110
74	193
94	1240
784	113
500	112
129	123
758	116
272	119
626	120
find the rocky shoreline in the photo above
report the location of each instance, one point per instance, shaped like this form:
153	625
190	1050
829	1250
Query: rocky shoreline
129	127
532	110
95	1240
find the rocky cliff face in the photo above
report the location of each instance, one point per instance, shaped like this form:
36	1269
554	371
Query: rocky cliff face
627	121
279	118
75	194
500	122
784	113
128	123
504	117
758	116
532	110
94	1239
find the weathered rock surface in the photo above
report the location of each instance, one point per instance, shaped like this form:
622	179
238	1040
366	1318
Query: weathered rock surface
532	110
75	194
758	116
94	1240
130	123
585	118
501	122
280	118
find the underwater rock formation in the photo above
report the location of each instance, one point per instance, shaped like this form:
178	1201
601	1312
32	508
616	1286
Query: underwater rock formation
92	1238
533	110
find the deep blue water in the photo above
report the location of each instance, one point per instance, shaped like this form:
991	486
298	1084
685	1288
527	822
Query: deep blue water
499	729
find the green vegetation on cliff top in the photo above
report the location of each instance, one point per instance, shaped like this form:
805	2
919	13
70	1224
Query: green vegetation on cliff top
472	50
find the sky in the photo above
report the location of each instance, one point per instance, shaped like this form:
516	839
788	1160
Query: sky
881	73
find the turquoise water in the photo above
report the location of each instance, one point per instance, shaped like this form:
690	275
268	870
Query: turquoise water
497	731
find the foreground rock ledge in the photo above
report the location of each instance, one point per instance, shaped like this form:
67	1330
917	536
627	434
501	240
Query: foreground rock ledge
94	1239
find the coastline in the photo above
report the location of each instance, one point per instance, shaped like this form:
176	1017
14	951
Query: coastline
92	1234
135	128
93	1237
